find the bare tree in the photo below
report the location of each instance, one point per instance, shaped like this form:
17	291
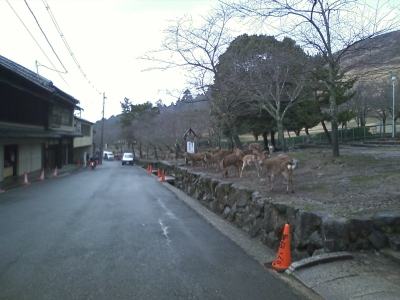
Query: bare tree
362	102
381	99
172	124
194	47
328	28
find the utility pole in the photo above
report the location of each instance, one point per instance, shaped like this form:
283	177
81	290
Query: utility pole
102	131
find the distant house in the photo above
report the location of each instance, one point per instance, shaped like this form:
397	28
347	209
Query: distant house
37	125
83	145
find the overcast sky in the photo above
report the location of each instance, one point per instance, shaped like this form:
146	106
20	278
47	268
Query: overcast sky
106	37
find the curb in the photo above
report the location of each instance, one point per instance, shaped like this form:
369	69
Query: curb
391	254
318	259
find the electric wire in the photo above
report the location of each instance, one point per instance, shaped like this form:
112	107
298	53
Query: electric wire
35	40
66	43
37	22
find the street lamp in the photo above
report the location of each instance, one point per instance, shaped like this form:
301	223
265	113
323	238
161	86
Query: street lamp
393	125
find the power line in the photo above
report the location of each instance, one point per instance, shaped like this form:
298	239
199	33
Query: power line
35	40
66	43
37	22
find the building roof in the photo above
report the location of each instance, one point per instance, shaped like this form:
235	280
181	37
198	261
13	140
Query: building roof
83	120
28	74
35	79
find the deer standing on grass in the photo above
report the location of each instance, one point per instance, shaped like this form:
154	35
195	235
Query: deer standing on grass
279	164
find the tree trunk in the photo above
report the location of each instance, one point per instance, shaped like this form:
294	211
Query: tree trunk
281	136
273	143
235	137
265	138
335	138
334	124
140	151
155	152
328	136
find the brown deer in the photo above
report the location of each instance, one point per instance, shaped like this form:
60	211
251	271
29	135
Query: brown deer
254	158
254	146
194	158
279	164
231	160
212	160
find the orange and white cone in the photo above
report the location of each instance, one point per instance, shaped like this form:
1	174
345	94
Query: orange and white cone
25	182
42	175
282	260
55	172
163	176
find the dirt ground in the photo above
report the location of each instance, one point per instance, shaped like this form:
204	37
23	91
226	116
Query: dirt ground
361	182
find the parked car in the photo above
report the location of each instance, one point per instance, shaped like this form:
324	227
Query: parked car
108	155
128	158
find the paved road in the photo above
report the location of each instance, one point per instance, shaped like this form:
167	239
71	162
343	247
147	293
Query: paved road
117	233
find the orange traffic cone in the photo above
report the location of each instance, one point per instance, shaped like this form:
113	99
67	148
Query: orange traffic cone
55	172
25	179
158	173
151	169
148	168
42	175
163	176
282	260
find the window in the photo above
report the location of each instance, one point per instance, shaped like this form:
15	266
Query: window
61	116
85	130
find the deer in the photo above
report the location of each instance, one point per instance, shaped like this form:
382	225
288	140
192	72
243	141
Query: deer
279	164
270	148
230	160
217	157
254	146
224	152
194	158
212	160
255	158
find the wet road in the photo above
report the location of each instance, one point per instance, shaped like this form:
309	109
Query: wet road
117	233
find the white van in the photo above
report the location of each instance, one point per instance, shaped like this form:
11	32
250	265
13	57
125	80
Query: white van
127	158
107	155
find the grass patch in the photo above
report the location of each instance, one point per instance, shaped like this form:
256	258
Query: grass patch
364	178
367	178
311	188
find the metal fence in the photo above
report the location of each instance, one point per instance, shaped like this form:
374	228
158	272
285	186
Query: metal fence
345	135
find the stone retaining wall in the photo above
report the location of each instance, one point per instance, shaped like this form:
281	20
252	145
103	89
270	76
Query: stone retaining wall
312	232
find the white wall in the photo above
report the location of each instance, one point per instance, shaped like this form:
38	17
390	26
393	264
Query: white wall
29	158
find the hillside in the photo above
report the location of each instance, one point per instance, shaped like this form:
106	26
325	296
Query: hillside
374	59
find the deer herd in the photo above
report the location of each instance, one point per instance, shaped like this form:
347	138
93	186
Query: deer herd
252	156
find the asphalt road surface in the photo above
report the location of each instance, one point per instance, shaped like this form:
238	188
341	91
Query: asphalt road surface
117	233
